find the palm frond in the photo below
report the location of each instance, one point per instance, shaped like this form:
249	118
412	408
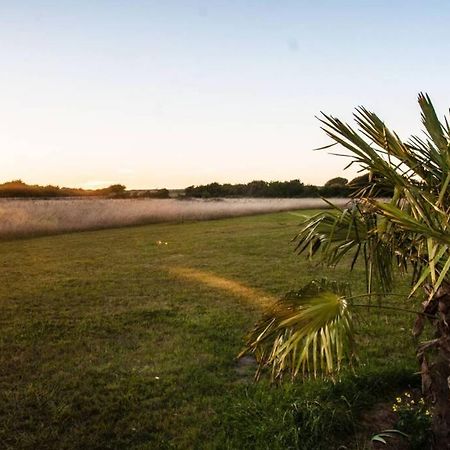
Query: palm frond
434	127
334	235
308	331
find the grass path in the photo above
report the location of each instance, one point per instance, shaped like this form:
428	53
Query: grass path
109	340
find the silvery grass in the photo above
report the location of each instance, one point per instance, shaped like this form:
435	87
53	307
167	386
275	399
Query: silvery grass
21	218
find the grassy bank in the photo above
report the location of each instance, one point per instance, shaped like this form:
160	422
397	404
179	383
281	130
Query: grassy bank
126	338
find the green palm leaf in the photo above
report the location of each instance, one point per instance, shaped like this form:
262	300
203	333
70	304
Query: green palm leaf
308	331
334	235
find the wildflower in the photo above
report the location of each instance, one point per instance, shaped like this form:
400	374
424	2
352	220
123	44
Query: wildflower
399	400
394	408
407	394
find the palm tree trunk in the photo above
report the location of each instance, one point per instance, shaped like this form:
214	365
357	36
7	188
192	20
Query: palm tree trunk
441	409
434	356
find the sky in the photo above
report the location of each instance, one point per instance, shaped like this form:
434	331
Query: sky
166	93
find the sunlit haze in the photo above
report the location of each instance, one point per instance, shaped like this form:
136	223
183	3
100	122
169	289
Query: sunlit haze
174	93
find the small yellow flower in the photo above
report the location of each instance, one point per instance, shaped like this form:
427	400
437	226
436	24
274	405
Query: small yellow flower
394	408
407	394
399	400
427	412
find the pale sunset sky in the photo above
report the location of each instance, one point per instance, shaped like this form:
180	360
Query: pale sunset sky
174	93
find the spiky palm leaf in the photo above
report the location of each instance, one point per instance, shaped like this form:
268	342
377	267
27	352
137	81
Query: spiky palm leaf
333	235
308	331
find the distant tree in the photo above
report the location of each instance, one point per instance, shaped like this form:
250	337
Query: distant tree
257	188
337	181
161	193
336	187
371	182
309	190
214	190
116	189
190	191
294	188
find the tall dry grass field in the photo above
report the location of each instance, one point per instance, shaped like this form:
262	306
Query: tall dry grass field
21	218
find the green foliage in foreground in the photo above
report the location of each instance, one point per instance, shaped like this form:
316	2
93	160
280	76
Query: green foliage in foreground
322	415
101	347
411	231
324	325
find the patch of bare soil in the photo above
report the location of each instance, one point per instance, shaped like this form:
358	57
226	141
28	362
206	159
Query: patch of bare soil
379	418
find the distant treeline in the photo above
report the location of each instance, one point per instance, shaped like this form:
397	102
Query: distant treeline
336	187
18	188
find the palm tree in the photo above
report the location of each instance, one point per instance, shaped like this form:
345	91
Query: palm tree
309	332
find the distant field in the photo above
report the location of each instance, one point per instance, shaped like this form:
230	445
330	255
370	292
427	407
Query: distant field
126	339
20	218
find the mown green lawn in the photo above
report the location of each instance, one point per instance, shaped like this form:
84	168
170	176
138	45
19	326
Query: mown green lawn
109	342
